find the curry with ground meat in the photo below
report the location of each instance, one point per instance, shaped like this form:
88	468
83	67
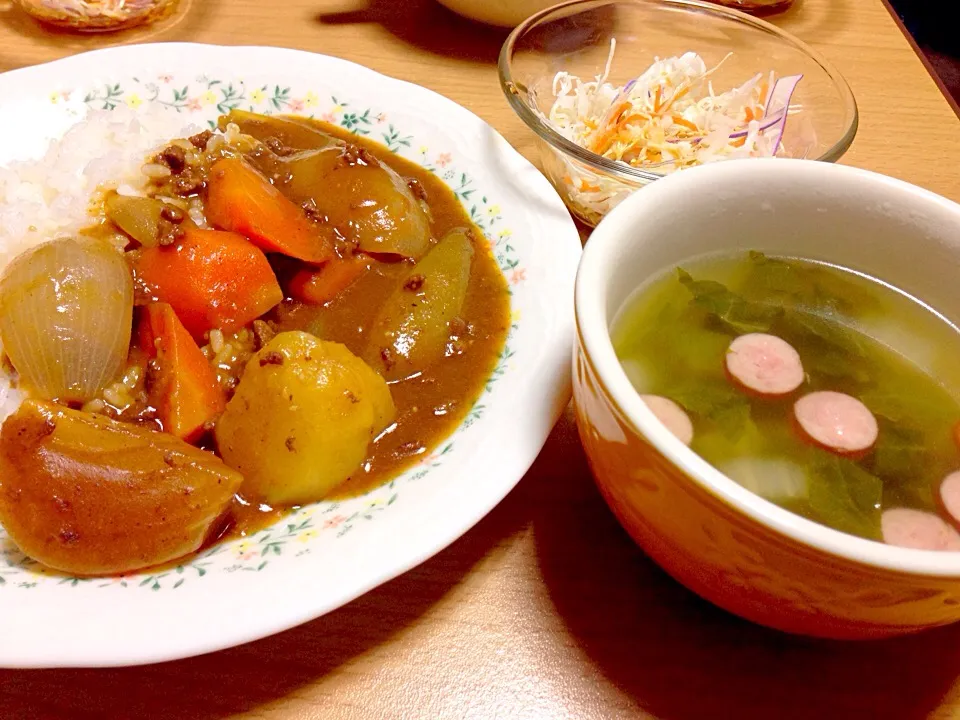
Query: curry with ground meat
302	314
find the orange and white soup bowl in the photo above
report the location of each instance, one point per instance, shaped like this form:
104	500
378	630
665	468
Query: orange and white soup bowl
725	543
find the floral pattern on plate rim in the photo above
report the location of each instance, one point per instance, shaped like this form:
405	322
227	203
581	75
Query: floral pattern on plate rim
293	534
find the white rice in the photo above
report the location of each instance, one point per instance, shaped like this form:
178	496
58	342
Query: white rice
51	196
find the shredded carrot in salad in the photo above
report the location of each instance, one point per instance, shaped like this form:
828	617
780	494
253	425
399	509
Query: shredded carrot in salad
667	119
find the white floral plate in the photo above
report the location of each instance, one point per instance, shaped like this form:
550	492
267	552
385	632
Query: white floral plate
327	554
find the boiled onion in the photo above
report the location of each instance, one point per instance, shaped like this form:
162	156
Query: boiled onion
138	217
65	317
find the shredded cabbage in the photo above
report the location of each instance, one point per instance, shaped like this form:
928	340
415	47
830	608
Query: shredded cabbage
667	119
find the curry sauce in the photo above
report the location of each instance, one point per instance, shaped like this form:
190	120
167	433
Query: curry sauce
434	402
311	315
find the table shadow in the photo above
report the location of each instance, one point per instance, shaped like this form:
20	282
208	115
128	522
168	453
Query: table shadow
248	677
680	658
427	25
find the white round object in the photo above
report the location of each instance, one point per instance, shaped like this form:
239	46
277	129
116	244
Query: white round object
836	421
323	555
917	529
673	417
950	495
764	364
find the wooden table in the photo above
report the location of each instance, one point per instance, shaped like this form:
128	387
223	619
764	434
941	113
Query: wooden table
545	609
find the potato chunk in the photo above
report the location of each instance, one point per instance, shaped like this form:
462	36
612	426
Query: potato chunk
88	495
302	419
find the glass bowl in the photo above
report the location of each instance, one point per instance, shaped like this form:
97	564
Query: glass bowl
97	15
575	37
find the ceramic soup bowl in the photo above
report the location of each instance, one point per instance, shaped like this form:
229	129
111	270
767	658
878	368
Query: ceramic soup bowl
720	540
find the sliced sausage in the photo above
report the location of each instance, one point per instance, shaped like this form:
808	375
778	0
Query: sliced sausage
836	421
672	416
764	364
950	495
905	527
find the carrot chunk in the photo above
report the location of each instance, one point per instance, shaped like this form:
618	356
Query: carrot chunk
184	388
212	279
240	199
323	284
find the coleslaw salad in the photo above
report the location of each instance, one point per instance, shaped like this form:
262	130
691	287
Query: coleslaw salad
668	118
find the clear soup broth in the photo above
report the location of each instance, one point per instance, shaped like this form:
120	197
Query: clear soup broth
864	439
